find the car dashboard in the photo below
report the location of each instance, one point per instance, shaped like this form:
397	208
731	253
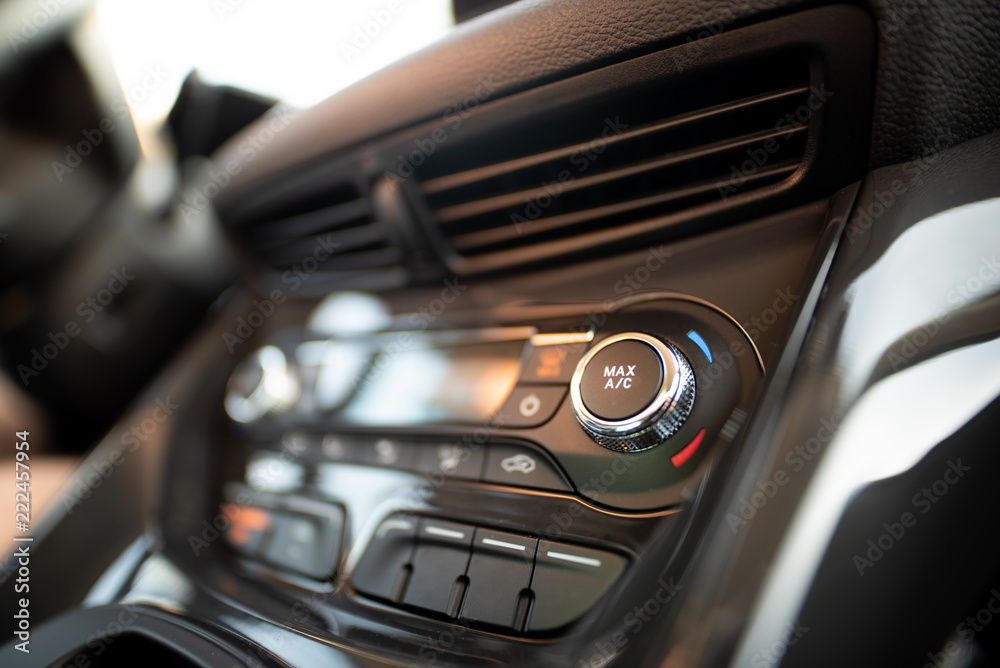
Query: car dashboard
595	334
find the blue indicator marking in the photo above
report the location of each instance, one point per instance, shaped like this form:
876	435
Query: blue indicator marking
696	337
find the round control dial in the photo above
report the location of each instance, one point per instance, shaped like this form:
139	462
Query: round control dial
262	384
632	391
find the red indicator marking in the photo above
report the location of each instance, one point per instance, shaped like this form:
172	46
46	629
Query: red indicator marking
688	450
246	521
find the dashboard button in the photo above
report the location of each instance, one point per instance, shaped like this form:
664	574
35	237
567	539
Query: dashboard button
305	544
567	581
520	466
337	448
499	573
530	406
274	472
248	526
553	364
382	572
621	380
439	564
453	460
383	452
632	391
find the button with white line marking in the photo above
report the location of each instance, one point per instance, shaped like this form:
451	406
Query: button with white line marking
382	571
567	581
499	575
439	562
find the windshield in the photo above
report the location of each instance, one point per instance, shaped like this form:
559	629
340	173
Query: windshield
298	51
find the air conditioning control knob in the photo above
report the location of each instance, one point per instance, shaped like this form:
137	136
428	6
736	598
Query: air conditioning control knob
632	391
264	383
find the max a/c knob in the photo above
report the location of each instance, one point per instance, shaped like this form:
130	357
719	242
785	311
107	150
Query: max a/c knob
632	391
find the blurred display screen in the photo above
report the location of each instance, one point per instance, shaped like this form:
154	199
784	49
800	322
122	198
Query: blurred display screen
462	383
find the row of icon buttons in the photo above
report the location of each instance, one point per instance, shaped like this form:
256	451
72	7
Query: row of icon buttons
494	462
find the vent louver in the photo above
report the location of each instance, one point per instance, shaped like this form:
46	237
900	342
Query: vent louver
336	226
649	159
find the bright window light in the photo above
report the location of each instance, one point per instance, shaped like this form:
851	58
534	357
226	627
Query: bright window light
299	51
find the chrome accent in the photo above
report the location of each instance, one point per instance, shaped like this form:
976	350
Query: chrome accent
558	339
660	419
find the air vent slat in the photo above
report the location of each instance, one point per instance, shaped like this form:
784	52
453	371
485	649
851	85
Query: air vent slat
342	241
329	227
311	223
500	235
467	210
621	162
380	258
451	181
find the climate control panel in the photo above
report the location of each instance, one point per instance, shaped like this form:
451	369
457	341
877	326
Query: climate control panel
463	475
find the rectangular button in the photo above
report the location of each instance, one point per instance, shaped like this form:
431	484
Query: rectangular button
306	544
382	571
568	580
338	448
510	464
248	527
384	452
454	460
439	560
529	406
268	471
499	572
553	364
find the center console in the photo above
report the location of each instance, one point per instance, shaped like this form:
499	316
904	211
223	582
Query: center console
501	477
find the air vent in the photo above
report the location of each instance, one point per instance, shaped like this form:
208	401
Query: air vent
662	155
335	226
